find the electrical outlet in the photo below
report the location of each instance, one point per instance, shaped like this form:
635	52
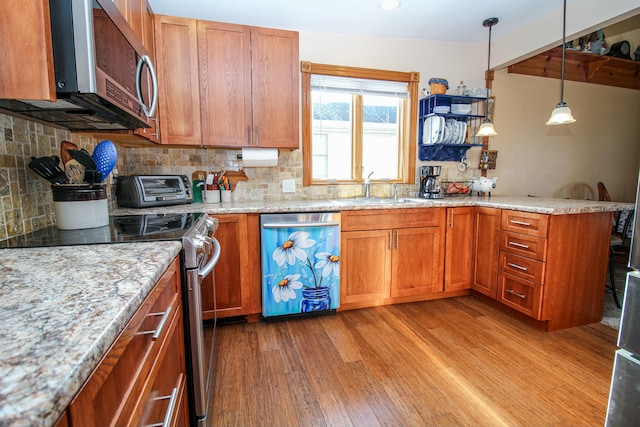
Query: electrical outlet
288	185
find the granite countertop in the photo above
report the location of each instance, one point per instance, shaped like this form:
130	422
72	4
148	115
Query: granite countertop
60	310
525	204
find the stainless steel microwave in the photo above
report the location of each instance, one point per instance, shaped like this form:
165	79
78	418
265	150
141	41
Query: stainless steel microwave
104	78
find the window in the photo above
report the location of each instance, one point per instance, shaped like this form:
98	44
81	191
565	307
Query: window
357	121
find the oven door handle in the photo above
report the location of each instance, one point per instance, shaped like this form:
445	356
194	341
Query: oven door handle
204	272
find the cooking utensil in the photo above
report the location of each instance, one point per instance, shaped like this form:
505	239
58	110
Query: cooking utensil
105	155
91	176
74	172
47	168
84	158
64	153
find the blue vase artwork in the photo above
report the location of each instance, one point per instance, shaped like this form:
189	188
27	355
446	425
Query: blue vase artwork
301	272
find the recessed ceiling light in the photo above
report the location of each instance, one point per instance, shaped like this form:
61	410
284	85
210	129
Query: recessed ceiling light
389	4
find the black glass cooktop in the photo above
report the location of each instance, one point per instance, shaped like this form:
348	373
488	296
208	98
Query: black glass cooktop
125	228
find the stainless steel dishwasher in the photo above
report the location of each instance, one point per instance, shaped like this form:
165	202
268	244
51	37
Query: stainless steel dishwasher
300	260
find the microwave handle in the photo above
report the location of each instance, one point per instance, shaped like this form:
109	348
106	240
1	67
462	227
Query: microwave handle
149	112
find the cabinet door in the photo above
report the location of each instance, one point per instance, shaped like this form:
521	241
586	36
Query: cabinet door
486	237
237	274
26	64
417	262
366	267
275	87
224	57
458	249
177	67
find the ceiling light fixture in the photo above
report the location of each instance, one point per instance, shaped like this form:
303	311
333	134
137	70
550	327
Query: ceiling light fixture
561	115
389	4
486	128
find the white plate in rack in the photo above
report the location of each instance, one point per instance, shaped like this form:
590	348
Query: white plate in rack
433	130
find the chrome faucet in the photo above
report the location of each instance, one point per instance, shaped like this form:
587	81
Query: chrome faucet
367	185
395	190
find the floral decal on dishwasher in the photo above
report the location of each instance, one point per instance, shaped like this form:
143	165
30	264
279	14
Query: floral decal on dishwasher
303	272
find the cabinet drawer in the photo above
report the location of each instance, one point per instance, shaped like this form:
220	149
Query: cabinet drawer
521	244
520	294
519	266
379	219
165	392
525	222
111	392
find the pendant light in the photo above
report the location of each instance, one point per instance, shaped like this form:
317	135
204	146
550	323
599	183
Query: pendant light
562	114
486	128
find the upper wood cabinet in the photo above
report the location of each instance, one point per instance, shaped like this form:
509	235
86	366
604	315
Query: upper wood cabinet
26	67
177	67
275	86
242	84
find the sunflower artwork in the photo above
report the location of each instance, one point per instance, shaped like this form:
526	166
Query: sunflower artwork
301	270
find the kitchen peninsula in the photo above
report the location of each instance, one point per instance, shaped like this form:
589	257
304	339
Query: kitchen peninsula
103	284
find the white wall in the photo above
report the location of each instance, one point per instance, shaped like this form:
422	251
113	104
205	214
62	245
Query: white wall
448	60
564	161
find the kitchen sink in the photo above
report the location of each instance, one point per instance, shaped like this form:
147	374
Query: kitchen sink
373	201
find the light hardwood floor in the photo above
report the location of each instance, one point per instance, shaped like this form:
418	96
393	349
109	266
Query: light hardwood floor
449	362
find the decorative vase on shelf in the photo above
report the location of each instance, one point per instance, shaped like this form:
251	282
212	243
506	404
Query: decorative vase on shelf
315	299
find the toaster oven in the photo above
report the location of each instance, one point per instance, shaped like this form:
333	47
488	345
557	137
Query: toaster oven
144	191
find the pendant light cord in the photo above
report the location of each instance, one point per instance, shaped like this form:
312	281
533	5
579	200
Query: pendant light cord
564	29
486	104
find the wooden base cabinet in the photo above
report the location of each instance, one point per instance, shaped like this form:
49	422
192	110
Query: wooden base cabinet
551	268
141	379
237	274
486	240
458	248
390	256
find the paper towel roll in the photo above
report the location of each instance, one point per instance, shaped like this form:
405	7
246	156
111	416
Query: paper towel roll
259	157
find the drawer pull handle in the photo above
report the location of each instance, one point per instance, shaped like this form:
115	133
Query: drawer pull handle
158	331
519	267
512	292
170	409
526	224
519	245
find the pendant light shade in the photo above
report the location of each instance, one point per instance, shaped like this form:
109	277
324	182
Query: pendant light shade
561	115
486	128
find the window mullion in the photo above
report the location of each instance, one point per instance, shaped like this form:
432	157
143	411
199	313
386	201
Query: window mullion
357	124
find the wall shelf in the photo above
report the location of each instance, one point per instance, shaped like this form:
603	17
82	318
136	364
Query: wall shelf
583	67
446	150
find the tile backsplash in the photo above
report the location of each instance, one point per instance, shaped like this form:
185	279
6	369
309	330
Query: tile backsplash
27	203
26	199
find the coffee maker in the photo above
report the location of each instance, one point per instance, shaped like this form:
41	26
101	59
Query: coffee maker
430	182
